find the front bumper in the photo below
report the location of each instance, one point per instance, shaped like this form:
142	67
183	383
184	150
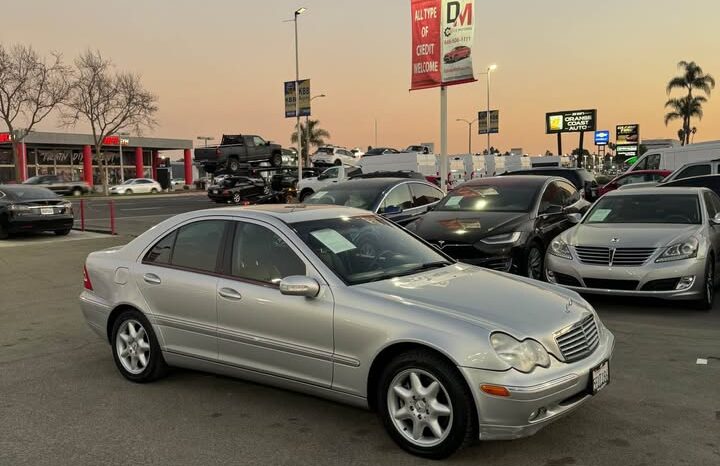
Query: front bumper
536	399
652	280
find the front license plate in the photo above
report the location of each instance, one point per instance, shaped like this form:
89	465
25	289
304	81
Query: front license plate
600	376
47	211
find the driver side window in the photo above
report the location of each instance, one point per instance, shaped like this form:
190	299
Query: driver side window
260	255
397	199
331	173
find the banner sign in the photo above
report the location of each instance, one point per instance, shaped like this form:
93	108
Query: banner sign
574	121
442	40
290	96
602	138
5	137
627	134
494	122
114	141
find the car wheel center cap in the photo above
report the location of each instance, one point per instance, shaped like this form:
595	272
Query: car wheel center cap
421	406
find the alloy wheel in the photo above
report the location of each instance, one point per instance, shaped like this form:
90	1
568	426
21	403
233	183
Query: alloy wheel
237	198
133	346
419	407
535	264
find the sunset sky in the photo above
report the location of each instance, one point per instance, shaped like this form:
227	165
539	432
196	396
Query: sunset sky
219	65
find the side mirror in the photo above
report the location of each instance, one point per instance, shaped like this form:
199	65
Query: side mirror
298	285
716	219
575	218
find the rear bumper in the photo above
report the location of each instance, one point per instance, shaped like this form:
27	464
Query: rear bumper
536	399
96	312
37	223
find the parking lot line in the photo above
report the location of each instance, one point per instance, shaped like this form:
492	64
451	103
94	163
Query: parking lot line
34	240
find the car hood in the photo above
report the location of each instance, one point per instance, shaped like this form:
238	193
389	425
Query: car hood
467	227
628	235
492	300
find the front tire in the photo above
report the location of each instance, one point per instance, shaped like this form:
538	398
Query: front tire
135	348
706	302
425	405
153	191
535	262
128	191
305	194
77	192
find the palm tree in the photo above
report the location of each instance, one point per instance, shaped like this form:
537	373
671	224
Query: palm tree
692	79
685	108
317	136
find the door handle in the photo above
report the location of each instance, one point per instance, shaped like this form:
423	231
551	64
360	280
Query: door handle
152	279
229	293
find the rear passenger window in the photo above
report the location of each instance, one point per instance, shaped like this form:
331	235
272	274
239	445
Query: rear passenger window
197	245
161	253
424	194
711	207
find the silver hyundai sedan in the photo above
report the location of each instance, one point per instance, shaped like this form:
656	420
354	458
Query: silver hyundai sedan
339	303
651	242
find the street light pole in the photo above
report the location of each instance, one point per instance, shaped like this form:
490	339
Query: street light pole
469	123
298	12
205	138
122	166
490	69
307	125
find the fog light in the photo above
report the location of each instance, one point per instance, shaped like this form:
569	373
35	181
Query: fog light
685	282
496	390
540	412
551	276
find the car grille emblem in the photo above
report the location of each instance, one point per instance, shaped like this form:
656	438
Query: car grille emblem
615	240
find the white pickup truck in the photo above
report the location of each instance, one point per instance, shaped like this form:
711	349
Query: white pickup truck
308	186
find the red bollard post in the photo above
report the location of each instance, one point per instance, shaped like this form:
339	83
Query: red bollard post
82	214
112	218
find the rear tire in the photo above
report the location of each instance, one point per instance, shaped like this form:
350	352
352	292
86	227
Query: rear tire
128	191
153	191
276	160
63	232
305	194
706	302
233	165
406	395
135	348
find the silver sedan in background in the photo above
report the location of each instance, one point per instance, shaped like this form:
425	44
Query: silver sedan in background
652	242
340	303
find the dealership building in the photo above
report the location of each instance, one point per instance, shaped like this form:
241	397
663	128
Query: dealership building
72	156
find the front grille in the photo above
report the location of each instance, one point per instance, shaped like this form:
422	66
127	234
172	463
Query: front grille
580	340
666	284
603	284
566	280
620	257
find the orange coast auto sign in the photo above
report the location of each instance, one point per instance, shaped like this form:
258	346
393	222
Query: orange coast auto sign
442	32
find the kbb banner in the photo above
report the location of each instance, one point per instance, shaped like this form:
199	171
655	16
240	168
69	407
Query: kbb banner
442	33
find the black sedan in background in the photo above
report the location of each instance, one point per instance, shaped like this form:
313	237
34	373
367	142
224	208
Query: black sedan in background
26	208
582	179
239	190
502	223
401	200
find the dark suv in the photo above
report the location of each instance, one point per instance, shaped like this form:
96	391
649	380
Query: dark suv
583	180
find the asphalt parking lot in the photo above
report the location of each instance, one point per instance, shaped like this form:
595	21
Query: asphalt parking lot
63	402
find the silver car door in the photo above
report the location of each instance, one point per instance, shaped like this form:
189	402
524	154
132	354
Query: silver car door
712	202
261	329
176	278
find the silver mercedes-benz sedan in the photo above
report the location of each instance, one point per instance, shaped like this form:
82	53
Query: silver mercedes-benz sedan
342	304
652	242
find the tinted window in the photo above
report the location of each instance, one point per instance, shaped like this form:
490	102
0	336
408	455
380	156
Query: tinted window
424	194
653	162
258	141
555	195
331	173
347	195
710	205
694	170
325	150
161	253
506	197
570	194
656	208
631	179
261	255
144	181
398	198
715	201
197	245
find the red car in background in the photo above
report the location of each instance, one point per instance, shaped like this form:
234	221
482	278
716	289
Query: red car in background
460	52
640	176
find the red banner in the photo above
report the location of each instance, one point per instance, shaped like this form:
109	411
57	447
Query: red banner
5	137
426	44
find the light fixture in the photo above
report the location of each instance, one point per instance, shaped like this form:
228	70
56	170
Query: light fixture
300	10
492	67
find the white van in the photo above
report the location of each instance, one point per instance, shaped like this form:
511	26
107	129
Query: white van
675	157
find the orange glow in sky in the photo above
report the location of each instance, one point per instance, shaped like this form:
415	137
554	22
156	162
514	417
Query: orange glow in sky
219	65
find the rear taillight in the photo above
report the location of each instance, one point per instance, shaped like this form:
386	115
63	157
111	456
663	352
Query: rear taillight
86	280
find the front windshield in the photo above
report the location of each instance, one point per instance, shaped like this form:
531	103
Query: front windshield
510	197
367	248
681	209
363	198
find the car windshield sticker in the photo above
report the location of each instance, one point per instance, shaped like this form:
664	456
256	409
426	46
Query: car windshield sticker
453	201
599	215
333	240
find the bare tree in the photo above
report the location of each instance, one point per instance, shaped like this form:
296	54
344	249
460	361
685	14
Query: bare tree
110	101
31	87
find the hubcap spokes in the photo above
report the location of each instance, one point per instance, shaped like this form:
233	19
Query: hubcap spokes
420	407
133	346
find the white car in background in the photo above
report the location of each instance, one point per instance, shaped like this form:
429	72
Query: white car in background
137	186
331	155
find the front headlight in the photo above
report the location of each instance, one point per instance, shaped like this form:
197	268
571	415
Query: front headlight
678	251
68	207
505	238
560	248
520	355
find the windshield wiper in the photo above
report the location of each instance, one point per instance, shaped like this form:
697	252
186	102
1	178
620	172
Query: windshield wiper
418	269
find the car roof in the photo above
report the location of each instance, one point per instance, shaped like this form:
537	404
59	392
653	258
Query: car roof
656	191
369	183
532	180
289	213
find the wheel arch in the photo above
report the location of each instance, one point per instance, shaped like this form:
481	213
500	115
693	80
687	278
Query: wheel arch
115	313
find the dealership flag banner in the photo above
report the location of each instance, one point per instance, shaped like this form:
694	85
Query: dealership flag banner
442	40
494	122
291	90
